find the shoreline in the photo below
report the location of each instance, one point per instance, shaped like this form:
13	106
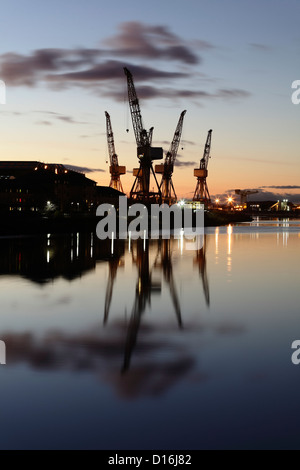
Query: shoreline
32	224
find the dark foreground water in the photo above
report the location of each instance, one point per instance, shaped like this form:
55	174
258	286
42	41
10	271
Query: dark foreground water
151	345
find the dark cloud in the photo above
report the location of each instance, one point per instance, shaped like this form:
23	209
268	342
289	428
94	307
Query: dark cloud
181	164
108	71
273	196
153	42
70	120
259	160
60	117
18	69
44	123
232	93
101	70
263	195
150	92
83	169
281	187
260	47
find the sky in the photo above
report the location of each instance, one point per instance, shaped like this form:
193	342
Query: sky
229	63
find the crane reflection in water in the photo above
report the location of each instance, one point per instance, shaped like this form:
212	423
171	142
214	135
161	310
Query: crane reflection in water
146	286
73	256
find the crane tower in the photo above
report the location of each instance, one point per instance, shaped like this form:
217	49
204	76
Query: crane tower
140	190
244	193
201	192
166	169
115	170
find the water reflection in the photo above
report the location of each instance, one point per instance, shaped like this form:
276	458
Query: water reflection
146	287
44	259
200	261
64	380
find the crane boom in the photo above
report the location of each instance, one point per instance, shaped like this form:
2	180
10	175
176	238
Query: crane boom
206	154
172	153
167	168
115	169
141	135
110	141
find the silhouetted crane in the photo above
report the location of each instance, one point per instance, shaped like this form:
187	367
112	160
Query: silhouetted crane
145	152
166	169
201	173
115	169
244	193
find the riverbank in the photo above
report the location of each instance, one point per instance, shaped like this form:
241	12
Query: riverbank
33	224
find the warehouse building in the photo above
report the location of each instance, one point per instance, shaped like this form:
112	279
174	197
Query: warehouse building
39	187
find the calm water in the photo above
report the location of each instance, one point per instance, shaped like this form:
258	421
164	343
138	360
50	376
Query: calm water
151	345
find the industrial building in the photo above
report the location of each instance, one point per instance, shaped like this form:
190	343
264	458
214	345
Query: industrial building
38	187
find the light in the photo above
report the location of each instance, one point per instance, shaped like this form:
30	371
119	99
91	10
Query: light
181	202
230	200
217	201
48	203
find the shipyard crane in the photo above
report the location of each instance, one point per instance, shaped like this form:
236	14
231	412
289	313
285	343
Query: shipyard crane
140	190
201	173
115	169
166	186
244	193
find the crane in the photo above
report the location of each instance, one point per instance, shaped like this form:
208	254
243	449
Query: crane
201	173
166	169
145	152
244	193
115	170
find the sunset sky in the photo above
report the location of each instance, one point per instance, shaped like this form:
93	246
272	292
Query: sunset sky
229	63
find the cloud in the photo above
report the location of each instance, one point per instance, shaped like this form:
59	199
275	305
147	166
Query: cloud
107	72
263	195
260	47
281	187
70	120
84	169
153	42
60	117
44	123
18	69
232	93
101	69
181	164
273	196
149	92
259	160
